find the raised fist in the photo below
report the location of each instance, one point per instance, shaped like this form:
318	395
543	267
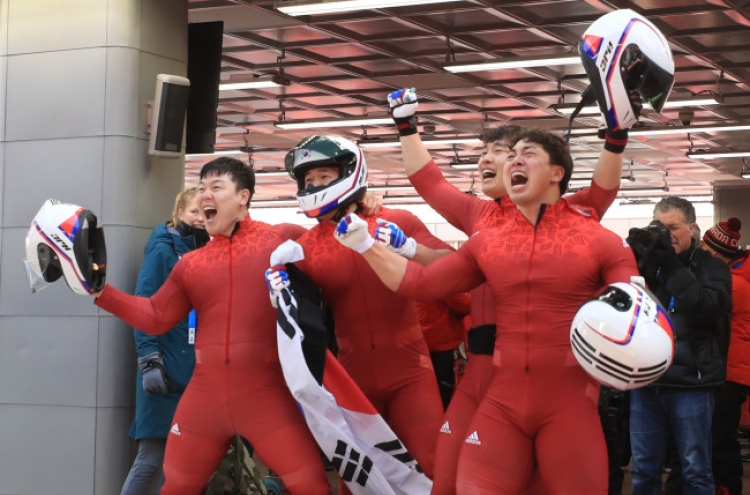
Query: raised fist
403	103
352	233
395	239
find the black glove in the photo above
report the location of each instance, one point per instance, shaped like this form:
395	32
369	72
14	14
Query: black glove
155	380
664	257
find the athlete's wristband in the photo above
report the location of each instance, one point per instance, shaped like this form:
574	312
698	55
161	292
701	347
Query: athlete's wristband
406	126
615	141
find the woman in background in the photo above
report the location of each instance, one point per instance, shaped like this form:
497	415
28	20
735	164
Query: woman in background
165	362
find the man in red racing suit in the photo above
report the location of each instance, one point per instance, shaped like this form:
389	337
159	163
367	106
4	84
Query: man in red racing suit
380	342
237	386
471	214
549	258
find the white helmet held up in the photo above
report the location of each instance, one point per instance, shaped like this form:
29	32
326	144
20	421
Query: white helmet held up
623	54
66	240
623	338
327	151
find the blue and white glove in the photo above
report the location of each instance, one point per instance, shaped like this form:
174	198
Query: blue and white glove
154	375
277	279
395	239
403	108
352	233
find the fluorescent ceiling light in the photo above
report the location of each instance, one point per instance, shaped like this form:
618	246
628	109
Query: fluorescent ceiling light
254	83
312	124
404	200
259	174
709	155
569	109
333	6
426	142
707	198
593	109
687	130
459	140
577	182
194	156
274	203
643	190
387	188
519	63
464	166
379	144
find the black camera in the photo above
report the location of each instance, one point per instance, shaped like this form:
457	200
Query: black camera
654	234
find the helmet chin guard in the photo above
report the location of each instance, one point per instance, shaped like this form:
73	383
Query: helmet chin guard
65	240
327	151
626	58
623	338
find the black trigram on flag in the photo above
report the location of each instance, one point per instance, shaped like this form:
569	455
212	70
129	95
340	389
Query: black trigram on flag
350	464
396	449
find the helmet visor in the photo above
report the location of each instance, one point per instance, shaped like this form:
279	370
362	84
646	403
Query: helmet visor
617	298
289	161
35	279
643	75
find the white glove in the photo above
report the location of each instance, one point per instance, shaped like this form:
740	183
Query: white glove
287	252
395	239
403	103
352	233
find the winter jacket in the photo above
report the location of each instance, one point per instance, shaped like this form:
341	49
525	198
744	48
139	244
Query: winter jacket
153	413
738	364
698	299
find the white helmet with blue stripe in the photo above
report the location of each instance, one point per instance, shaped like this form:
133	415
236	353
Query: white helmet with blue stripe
623	338
626	57
65	240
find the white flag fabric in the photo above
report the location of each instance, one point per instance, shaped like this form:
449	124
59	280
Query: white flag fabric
364	450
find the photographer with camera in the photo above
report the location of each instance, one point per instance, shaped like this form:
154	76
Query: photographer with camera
697	289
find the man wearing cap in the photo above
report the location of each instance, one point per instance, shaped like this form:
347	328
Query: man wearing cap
723	241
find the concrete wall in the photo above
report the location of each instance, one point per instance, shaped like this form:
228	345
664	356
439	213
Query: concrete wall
74	76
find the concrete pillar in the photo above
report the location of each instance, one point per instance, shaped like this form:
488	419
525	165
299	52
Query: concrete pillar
74	77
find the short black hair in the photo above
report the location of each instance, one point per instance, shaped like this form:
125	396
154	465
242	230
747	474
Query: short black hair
242	175
508	132
555	147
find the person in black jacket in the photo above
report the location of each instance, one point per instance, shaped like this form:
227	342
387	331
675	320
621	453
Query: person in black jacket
696	289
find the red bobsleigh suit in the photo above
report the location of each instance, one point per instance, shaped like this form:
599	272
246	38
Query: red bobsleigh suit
541	406
237	386
470	215
378	334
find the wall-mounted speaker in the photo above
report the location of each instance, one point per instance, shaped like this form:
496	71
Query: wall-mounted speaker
168	115
204	69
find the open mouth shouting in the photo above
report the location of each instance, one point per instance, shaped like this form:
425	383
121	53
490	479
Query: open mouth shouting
518	178
209	212
487	174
